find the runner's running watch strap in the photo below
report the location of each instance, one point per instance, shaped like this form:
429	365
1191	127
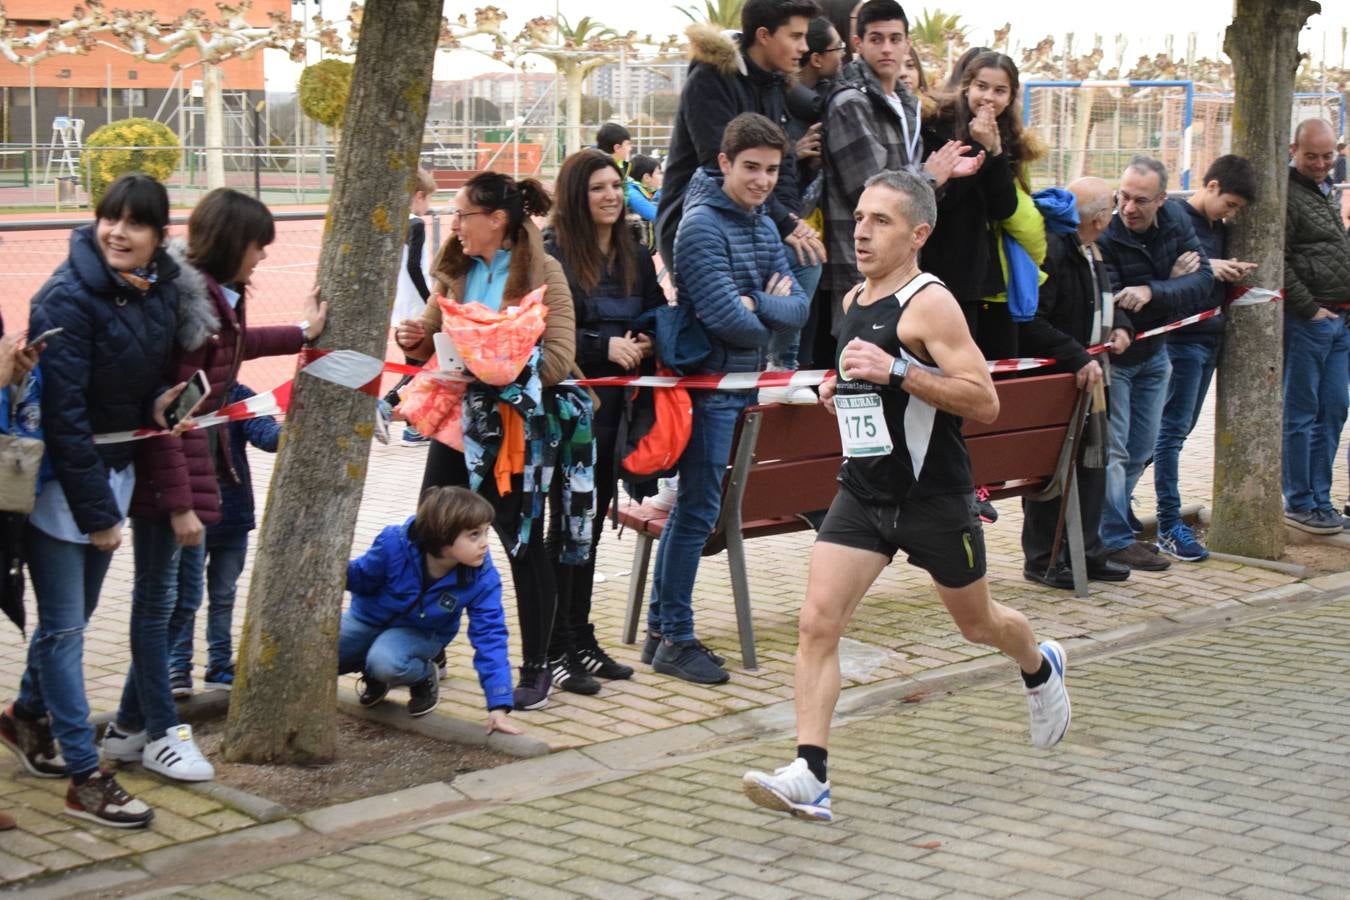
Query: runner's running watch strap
899	369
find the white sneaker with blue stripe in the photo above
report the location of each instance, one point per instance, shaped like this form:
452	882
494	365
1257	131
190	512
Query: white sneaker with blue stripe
791	789
1049	703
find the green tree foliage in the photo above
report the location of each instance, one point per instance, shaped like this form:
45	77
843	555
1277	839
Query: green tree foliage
725	14
323	91
128	145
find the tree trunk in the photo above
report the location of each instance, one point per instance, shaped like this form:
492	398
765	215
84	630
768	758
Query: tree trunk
283	708
213	101
1262	42
575	75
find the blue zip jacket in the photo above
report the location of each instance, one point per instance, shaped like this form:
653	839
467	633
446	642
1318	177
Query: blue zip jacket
237	517
1132	261
387	592
723	252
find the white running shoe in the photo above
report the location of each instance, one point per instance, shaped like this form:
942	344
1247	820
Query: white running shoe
122	745
1049	703
667	490
176	756
791	789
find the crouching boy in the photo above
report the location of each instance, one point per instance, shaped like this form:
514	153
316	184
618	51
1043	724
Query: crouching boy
409	591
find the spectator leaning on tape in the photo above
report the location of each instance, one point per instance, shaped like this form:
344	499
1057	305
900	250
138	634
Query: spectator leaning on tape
495	256
115	297
1145	248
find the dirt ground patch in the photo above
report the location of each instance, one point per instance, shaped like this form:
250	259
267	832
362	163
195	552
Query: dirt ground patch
1319	558
372	759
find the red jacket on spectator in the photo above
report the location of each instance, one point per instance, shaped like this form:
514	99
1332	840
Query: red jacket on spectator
174	474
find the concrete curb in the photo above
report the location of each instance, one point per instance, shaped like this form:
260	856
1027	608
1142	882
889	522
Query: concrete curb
443	728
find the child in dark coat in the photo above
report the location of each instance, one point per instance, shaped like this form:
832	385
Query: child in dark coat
409	592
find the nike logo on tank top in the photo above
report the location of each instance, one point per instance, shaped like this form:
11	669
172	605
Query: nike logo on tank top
929	456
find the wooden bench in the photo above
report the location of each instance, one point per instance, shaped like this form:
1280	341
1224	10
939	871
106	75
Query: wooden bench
784	461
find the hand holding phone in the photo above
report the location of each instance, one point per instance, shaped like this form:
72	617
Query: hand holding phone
44	337
196	388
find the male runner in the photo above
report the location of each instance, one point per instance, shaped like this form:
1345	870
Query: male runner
908	372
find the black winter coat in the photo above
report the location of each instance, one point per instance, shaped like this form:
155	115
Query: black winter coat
723	83
104	372
1068	302
1147	259
1316	251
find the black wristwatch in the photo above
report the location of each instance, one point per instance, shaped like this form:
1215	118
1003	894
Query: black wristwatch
899	369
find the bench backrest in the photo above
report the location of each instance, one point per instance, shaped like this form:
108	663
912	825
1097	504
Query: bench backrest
795	454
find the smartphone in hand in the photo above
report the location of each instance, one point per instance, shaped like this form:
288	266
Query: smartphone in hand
197	387
44	337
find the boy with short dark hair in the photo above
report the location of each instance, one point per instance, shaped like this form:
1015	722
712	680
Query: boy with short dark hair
614	139
1228	186
409	591
733	270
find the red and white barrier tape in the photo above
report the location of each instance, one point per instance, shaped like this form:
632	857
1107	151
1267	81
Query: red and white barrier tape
360	372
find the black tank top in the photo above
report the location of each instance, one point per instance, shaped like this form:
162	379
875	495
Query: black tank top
930	455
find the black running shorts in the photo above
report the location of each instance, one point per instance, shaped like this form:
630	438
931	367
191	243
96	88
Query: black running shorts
942	535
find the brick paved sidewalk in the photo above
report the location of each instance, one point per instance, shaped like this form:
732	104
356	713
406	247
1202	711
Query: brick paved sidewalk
900	632
1205	766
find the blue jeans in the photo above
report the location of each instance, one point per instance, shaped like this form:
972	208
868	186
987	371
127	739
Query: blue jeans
785	346
1316	361
224	561
66	579
392	655
1193	363
697	504
147	702
1136	396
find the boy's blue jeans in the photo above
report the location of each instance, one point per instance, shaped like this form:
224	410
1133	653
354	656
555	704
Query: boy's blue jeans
1193	362
395	656
66	579
1136	397
697	505
225	557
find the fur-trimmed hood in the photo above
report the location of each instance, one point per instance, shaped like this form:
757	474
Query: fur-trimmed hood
712	46
197	316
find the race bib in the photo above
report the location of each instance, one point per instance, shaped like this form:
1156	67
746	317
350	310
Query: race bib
862	425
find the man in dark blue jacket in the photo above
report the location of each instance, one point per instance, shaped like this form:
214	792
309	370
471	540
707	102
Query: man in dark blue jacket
1142	248
1228	186
733	270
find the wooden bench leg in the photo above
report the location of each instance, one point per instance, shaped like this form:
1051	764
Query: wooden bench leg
740	589
1073	520
637	587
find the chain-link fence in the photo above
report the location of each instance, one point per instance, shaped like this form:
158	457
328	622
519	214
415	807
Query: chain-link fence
31	251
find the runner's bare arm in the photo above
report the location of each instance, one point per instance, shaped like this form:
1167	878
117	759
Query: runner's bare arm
936	327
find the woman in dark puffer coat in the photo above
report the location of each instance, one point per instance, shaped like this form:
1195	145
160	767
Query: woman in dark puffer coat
176	490
115	299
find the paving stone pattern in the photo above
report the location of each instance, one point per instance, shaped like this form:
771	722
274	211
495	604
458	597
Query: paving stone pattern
1209	767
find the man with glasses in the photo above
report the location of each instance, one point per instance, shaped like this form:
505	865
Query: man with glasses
872	125
1143	248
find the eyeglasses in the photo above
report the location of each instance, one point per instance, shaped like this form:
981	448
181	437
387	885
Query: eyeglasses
1123	200
461	214
840	49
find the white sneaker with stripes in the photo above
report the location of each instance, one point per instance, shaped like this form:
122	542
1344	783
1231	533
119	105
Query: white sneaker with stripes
176	756
791	789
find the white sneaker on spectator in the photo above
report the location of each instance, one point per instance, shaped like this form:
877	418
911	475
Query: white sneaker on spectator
791	789
1048	704
122	745
794	396
667	490
176	756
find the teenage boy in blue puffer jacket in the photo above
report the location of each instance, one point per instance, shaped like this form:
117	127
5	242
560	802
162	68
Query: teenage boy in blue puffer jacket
730	265
409	591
